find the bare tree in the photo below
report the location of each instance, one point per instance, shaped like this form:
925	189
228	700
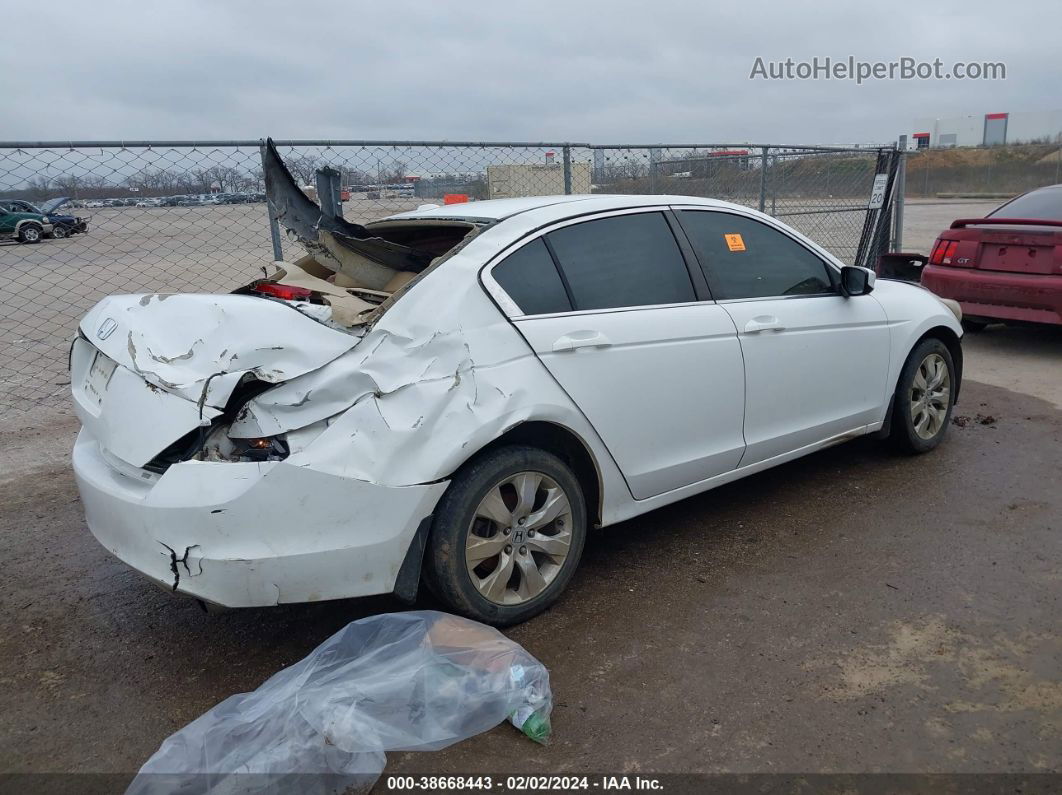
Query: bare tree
396	173
70	184
303	168
39	187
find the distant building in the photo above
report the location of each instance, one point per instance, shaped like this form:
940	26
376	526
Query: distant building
986	129
504	182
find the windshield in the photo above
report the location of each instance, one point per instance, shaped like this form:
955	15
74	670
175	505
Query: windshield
1045	203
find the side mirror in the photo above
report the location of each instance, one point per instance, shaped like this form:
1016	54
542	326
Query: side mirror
856	281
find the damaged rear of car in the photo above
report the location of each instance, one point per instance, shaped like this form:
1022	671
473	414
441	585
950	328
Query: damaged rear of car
290	441
191	475
184	478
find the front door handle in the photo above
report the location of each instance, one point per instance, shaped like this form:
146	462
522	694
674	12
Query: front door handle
580	339
763	323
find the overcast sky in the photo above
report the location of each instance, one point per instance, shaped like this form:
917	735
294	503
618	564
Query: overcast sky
616	72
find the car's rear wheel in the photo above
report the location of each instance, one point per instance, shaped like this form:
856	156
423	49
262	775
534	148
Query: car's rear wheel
925	396
30	233
507	535
59	232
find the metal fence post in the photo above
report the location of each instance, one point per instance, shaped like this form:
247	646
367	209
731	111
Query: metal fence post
567	169
274	227
763	179
274	234
328	188
774	186
898	195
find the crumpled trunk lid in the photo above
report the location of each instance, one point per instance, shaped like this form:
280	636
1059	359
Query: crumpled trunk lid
149	369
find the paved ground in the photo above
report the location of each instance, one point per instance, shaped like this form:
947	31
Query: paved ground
924	219
853	611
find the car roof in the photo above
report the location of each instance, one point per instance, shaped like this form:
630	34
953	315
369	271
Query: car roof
563	206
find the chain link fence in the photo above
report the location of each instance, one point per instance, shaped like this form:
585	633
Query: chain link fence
991	172
167	216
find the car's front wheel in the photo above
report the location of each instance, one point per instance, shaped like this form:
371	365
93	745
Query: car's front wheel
30	233
507	535
925	396
59	232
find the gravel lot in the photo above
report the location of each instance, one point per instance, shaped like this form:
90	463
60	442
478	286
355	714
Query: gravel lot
853	611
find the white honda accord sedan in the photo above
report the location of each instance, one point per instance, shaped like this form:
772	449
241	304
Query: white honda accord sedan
463	399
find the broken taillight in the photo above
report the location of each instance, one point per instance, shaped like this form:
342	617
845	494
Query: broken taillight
268	448
283	291
943	252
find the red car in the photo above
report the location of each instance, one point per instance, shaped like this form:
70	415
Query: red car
1006	266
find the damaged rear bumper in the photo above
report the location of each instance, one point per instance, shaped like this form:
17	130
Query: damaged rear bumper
252	534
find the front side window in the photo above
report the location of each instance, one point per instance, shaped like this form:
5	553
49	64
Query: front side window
627	260
744	258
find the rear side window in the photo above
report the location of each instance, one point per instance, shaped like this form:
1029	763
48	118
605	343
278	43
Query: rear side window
629	260
530	278
744	258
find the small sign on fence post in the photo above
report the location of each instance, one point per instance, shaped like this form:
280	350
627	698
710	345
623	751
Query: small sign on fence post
877	193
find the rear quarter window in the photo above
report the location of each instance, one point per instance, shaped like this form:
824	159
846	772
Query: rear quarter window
530	277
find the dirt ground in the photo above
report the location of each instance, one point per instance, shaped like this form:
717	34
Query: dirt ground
854	611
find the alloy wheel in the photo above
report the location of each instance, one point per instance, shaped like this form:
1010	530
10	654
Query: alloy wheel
519	538
930	396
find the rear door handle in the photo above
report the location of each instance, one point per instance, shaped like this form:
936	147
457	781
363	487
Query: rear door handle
763	323
580	339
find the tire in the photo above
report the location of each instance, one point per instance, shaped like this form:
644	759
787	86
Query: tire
59	232
485	537
920	416
971	325
30	233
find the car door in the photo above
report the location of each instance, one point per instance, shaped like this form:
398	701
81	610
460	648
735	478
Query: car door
816	361
609	306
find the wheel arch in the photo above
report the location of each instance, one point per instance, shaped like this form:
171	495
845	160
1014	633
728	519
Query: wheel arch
564	443
31	221
953	343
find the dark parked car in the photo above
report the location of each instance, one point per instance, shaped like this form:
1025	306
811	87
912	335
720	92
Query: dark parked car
1006	266
62	225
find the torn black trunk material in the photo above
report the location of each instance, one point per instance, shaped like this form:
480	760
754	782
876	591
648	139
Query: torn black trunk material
353	249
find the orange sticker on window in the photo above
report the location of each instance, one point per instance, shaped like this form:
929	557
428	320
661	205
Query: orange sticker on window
734	242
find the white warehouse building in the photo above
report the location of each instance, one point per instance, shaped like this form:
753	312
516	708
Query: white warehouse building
986	129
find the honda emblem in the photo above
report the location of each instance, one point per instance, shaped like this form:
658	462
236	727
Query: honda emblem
106	328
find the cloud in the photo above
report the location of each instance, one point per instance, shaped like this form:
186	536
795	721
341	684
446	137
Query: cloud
618	72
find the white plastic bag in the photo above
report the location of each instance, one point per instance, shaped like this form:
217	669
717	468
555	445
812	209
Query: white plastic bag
415	681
